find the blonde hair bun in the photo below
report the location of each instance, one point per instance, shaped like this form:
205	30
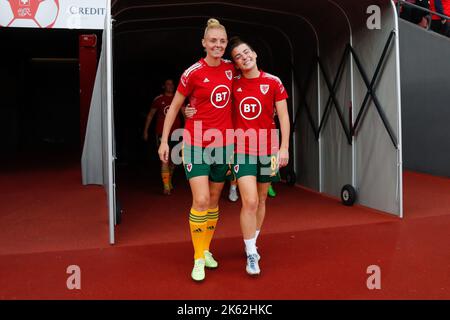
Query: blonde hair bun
213	23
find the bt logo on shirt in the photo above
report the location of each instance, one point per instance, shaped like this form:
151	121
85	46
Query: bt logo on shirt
250	108
220	96
166	108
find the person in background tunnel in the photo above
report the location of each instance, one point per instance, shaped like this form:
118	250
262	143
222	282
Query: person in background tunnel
159	107
206	155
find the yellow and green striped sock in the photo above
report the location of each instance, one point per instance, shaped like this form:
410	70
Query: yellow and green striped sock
198	226
211	217
165	175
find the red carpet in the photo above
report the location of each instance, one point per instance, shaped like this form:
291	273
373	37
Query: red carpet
315	264
44	207
425	195
312	247
295	209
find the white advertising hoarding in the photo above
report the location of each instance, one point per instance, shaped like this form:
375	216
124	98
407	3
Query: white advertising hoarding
59	14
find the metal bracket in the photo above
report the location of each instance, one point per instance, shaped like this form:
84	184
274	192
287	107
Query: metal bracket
333	101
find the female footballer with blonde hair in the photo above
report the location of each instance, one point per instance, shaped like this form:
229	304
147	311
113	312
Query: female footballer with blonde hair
207	84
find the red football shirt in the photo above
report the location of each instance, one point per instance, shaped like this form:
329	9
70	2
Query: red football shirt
162	103
209	91
254	111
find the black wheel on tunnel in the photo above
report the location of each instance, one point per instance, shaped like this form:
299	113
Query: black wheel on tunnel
348	195
291	178
118	212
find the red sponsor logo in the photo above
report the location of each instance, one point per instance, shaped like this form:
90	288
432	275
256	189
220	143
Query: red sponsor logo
220	96
250	108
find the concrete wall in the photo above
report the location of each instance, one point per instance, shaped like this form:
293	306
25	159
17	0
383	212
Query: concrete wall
425	81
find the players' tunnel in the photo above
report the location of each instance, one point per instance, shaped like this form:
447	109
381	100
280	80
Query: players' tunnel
51	222
337	59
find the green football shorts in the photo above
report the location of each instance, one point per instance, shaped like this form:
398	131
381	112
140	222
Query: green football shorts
264	168
213	162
